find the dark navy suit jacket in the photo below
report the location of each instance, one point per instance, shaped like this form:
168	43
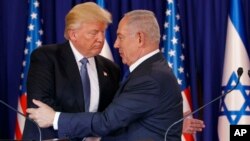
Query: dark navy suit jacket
142	110
54	78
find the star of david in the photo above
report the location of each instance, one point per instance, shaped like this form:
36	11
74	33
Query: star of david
234	116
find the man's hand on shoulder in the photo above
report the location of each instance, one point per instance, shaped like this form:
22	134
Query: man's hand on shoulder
43	115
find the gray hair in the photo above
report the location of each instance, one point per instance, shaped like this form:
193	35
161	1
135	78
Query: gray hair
145	21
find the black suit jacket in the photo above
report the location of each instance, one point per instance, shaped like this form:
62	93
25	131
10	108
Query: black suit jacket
54	78
144	107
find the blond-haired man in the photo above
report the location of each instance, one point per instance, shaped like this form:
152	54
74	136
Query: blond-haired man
55	70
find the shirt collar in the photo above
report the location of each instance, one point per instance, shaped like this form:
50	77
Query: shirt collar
145	57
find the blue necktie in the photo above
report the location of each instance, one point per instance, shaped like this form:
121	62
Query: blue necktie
85	83
125	76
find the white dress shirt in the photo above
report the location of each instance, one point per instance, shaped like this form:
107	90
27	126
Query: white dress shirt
94	83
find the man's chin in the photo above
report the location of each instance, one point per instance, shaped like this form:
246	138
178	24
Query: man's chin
124	62
98	52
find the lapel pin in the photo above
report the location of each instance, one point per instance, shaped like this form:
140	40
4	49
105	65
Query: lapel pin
105	74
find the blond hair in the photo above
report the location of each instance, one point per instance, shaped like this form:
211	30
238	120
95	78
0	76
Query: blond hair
85	12
144	21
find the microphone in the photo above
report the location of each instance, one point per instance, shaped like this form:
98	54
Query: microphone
239	73
26	117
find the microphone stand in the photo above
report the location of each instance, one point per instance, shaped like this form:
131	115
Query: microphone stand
239	72
39	130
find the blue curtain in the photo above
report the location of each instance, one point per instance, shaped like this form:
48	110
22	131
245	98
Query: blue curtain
204	26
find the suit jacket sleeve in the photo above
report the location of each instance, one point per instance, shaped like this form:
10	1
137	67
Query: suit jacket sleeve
138	98
40	86
40	82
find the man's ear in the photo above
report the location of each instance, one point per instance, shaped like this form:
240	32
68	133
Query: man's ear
72	35
141	38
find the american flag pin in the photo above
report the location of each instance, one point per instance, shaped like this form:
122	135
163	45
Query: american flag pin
105	74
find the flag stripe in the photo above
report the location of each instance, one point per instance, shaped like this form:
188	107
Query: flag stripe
187	95
18	134
188	137
236	16
23	103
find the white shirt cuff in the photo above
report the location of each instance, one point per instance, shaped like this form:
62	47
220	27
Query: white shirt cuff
55	122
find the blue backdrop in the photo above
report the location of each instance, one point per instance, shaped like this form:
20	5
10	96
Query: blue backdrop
204	24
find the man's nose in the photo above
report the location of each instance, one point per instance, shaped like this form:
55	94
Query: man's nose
116	45
100	37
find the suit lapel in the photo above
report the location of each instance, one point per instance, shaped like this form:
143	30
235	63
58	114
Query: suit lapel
102	74
72	72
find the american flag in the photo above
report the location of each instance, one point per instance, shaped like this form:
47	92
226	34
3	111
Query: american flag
234	107
33	40
174	51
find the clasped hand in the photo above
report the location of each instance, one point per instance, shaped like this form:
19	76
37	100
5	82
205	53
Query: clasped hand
191	125
43	115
